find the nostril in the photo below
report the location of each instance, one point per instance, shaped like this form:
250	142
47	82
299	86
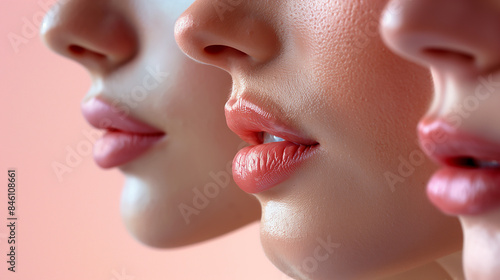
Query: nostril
439	53
81	51
76	49
215	49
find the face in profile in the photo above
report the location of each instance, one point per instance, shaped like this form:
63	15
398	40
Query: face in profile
162	116
331	116
459	41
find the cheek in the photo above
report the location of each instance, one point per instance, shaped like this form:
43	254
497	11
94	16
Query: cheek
365	104
371	113
374	97
353	79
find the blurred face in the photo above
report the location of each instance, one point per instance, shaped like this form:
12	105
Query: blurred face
458	40
331	117
163	118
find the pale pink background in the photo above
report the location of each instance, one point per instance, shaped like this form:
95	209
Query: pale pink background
72	229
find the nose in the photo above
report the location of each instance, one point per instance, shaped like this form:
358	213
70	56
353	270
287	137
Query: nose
449	35
93	33
227	36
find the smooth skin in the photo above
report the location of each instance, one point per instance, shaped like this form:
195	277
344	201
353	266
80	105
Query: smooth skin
321	68
117	42
464	38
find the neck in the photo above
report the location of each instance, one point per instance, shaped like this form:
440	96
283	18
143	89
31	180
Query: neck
448	267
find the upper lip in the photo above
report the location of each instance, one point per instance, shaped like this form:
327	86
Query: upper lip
452	147
248	121
102	115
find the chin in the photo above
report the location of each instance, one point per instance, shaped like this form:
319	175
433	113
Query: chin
153	219
169	214
482	245
313	229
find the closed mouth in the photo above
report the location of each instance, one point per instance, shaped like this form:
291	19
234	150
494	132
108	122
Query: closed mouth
125	139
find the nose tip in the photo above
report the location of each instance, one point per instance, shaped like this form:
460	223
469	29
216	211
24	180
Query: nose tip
452	35
239	36
92	33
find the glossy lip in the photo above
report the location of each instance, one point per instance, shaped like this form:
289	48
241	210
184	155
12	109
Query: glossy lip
457	188
125	138
263	166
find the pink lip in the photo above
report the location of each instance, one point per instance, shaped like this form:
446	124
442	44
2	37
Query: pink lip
262	166
461	187
125	139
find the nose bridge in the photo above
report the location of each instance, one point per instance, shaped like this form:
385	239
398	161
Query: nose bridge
437	32
240	32
93	33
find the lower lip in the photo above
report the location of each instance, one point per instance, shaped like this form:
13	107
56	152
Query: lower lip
118	148
460	191
261	167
